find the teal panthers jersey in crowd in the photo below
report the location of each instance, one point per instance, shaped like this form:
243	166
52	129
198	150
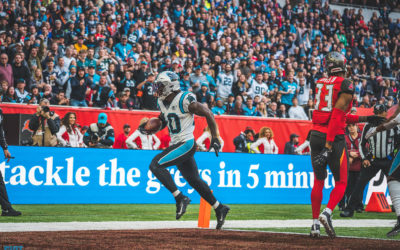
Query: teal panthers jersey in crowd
180	121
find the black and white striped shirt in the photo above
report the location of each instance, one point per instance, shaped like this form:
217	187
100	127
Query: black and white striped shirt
381	145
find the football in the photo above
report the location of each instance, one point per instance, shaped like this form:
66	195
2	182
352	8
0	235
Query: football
153	124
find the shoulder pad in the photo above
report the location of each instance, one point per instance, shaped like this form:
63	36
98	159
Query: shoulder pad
347	86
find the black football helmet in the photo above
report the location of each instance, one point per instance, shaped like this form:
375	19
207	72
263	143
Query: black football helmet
335	63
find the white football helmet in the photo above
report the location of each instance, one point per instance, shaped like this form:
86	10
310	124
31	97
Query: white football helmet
166	83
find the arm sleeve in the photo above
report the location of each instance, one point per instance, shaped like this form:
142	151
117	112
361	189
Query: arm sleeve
130	141
254	146
363	143
157	142
59	136
350	119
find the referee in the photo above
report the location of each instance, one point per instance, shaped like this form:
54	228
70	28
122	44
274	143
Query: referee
378	156
6	207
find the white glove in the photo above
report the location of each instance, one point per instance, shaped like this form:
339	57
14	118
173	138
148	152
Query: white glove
370	133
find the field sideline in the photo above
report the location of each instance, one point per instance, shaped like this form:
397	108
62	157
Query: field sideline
166	212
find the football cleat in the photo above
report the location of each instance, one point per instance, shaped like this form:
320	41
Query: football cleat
181	206
395	230
326	220
315	231
221	215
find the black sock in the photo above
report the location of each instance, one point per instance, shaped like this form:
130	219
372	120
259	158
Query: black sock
398	219
179	197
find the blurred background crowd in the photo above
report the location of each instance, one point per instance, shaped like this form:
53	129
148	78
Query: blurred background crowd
240	57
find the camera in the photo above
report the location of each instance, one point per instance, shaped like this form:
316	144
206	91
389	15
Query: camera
45	109
94	138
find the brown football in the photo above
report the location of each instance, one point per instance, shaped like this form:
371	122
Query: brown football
153	125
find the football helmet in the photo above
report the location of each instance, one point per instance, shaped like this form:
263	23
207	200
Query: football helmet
166	83
335	63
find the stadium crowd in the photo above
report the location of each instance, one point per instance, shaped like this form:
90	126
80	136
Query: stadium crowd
253	58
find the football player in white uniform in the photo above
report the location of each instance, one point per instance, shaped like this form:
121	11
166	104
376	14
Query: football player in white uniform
177	112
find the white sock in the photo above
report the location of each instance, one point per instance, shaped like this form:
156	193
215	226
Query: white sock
315	221
328	210
176	193
216	204
394	191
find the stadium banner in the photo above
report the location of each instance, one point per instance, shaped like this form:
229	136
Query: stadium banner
229	126
45	175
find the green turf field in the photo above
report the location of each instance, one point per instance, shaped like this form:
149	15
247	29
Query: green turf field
149	212
154	212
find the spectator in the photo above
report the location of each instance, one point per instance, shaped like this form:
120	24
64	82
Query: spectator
219	108
281	113
305	146
149	101
103	94
34	96
37	79
59	99
62	74
290	146
297	112
243	141
257	86
203	142
69	134
249	109
121	138
204	96
45	124
197	79
272	110
50	77
137	140
20	70
22	94
78	86
6	70
10	96
353	139
225	81
238	106
266	138
100	134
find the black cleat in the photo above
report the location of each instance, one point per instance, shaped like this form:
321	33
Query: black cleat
181	206
315	231
347	213
326	220
221	215
10	212
395	230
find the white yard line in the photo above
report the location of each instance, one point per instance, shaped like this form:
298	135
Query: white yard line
141	225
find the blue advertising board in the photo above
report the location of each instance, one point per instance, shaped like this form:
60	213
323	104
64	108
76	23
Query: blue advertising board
43	175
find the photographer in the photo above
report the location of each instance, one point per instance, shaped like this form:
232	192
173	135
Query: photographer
100	134
45	124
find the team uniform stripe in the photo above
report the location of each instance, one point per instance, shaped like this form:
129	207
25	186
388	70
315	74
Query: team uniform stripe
178	152
181	101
